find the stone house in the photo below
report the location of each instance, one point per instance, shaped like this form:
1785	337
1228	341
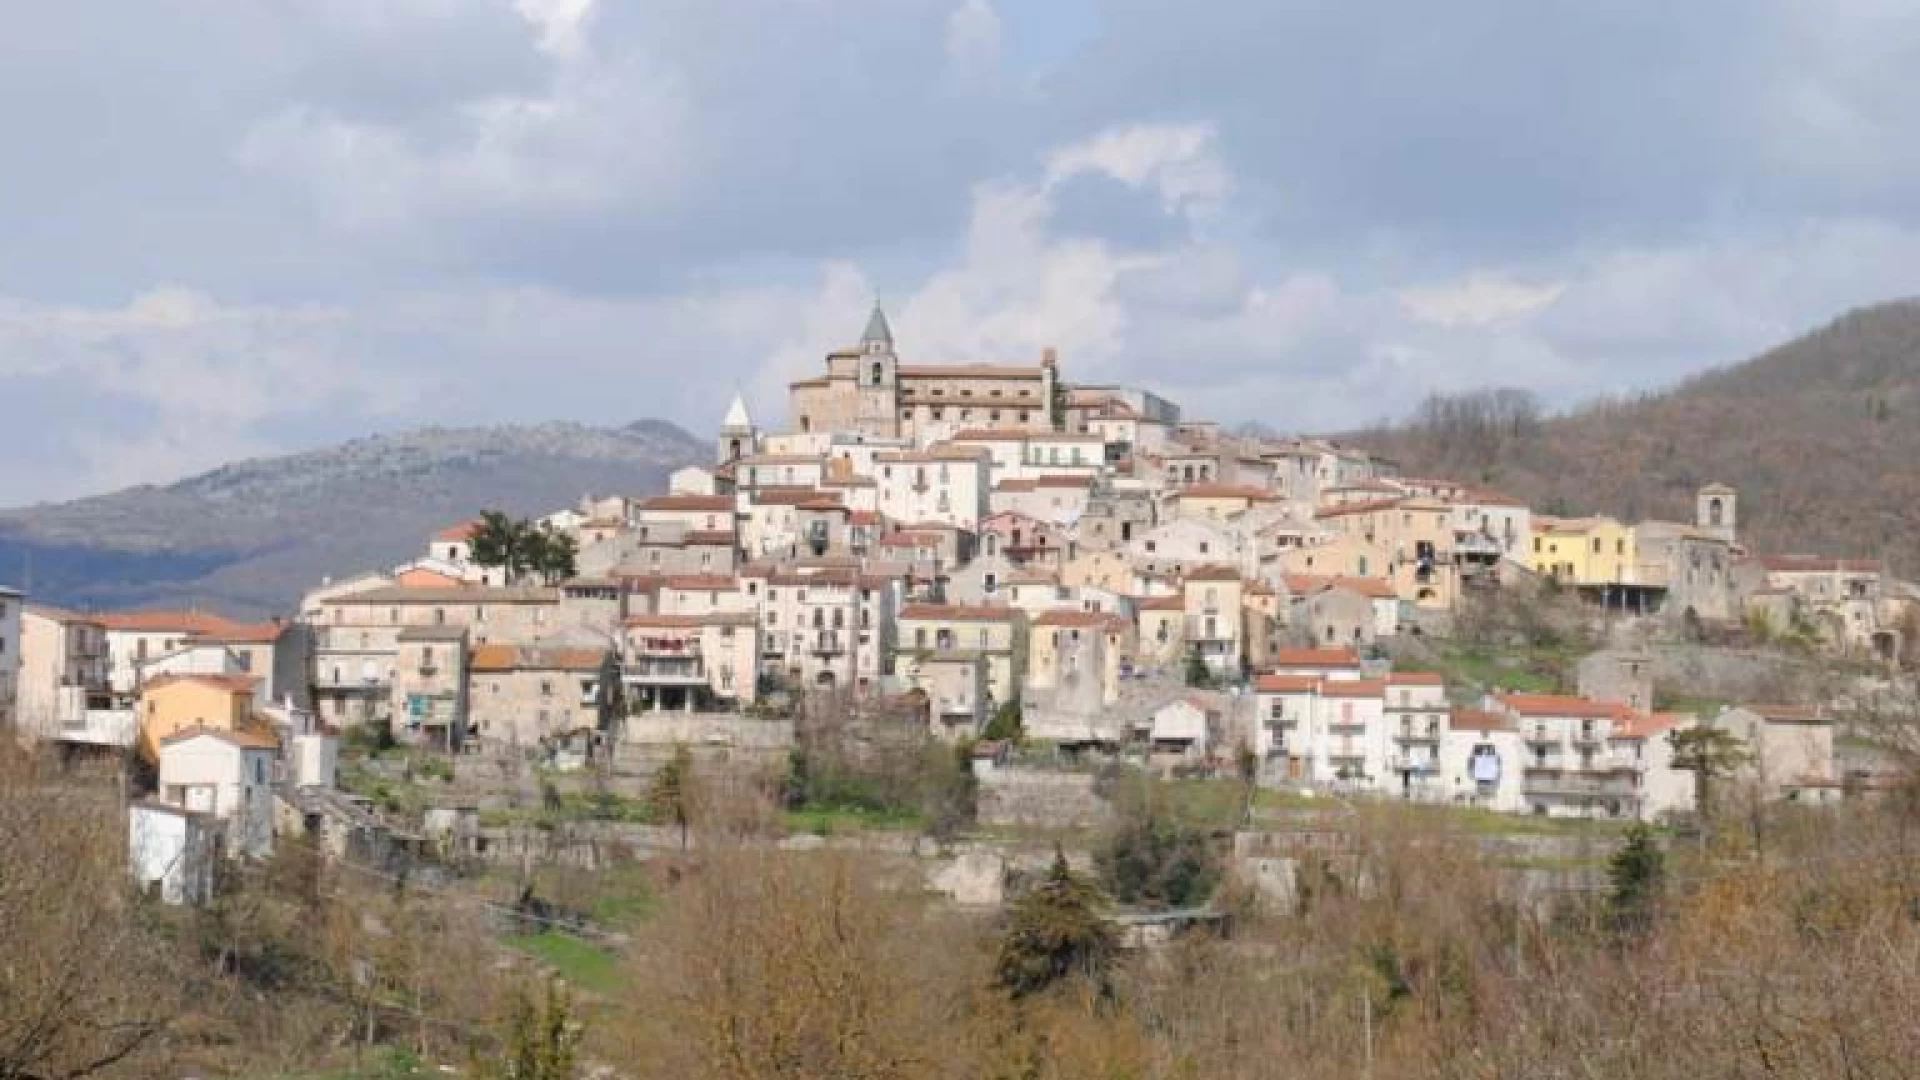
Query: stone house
526	697
1789	748
706	662
428	700
999	635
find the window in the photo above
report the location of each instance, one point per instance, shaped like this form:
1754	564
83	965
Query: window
1596	545
1536	545
879	372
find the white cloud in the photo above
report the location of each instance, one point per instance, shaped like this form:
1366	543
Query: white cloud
1481	299
1177	161
562	24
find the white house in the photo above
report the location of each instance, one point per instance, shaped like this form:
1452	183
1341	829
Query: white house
227	775
170	851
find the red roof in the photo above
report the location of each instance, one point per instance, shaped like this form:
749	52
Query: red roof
707	503
1340	658
1213	573
1160	603
1480	720
194	623
1353	688
454	534
1358	508
1372	588
702	583
1416	678
1561	705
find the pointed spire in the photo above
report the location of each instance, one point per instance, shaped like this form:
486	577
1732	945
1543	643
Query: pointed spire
877	328
737	414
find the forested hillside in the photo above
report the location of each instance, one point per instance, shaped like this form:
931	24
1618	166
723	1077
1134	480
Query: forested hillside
1821	436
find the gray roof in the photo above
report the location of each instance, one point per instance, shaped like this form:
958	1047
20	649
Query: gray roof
877	328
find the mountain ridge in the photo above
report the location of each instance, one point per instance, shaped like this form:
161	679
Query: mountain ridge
248	536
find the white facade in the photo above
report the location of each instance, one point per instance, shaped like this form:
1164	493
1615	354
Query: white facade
226	777
170	850
950	489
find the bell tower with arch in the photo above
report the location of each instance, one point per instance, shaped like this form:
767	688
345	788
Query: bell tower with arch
1717	511
877	374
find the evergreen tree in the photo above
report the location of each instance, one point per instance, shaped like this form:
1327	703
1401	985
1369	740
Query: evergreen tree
1055	932
544	1041
1197	673
1709	753
1637	875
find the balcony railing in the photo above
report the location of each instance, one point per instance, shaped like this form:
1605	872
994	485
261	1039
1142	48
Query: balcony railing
100	727
681	672
828	644
1576	785
1418	734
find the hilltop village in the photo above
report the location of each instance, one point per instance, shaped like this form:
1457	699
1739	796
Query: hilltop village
1053	575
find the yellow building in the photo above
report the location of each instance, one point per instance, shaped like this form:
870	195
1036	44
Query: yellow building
174	703
1162	622
1090	648
1218	502
1585	551
932	631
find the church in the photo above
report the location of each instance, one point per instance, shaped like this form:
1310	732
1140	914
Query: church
867	390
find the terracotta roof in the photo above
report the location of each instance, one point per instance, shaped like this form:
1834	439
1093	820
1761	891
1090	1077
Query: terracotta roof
863	517
1416	678
454	534
708	503
910	539
1560	705
194	623
1341	658
473	594
825	503
1480	720
247	738
1160	603
258	633
1353	688
232	684
1017	484
956	613
1275	683
1213	573
1225	491
702	583
512	658
1057	481
1634	725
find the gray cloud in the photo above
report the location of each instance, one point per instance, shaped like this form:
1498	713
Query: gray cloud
234	228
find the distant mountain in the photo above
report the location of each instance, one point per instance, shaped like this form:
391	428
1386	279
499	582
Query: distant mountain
248	538
1821	436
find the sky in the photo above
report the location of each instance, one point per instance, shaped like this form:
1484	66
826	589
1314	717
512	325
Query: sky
230	228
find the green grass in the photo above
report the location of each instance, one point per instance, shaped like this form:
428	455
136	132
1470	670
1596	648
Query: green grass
580	962
1486	670
829	820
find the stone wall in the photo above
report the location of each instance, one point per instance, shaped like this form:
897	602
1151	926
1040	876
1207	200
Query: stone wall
1041	799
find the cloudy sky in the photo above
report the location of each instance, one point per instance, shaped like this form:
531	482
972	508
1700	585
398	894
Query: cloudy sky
231	227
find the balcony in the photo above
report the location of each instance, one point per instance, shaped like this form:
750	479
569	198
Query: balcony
1347	723
1415	763
351	681
827	644
1588	737
1418	735
681	671
1542	737
100	727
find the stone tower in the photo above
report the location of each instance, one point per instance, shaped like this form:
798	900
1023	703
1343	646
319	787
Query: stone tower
738	437
877	374
1717	511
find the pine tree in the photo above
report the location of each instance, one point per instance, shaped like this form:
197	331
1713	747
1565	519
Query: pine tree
1637	874
1055	932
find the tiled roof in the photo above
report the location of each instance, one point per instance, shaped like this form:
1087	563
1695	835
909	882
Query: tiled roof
1160	603
1416	678
512	658
1213	573
1353	688
700	503
454	534
1224	491
1480	720
1560	705
1349	509
1070	617
195	623
702	583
